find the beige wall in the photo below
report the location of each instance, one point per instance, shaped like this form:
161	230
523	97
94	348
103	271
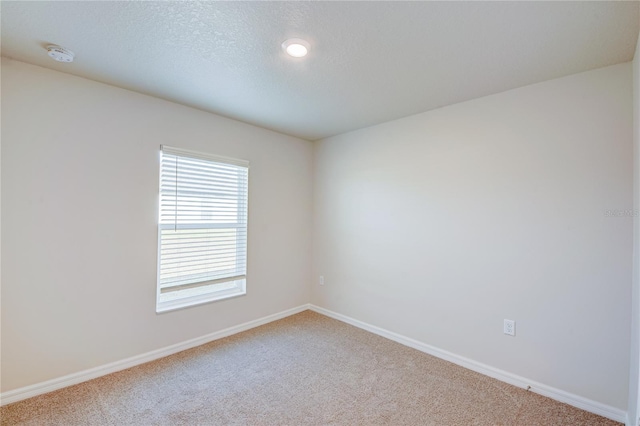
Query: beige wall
440	225
79	214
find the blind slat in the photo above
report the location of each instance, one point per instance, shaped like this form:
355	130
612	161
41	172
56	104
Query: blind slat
185	258
206	265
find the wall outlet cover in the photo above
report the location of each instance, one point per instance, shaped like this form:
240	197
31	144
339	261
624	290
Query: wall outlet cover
510	327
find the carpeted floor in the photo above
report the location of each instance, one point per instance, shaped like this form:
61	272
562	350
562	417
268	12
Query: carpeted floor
303	370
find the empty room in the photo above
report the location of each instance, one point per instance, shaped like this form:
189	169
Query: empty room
319	213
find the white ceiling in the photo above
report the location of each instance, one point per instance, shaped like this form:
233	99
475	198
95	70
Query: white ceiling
369	62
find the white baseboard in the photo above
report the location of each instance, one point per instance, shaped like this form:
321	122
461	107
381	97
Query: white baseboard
521	382
92	373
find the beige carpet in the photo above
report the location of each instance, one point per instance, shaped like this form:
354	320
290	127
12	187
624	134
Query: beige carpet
304	370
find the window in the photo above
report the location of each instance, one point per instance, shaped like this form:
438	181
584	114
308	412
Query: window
202	230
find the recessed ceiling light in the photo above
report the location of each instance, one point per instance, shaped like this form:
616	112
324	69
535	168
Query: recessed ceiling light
296	47
60	54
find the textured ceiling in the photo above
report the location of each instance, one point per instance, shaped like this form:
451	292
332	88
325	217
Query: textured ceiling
369	62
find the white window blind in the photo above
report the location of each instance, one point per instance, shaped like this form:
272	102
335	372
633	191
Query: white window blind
202	254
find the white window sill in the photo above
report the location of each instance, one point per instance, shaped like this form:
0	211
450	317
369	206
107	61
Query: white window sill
188	302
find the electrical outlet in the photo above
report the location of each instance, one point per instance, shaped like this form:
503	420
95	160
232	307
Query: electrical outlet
321	280
510	327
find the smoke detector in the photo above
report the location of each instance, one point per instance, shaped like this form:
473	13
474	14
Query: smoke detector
60	54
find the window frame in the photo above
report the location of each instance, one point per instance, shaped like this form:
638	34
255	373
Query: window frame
240	285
